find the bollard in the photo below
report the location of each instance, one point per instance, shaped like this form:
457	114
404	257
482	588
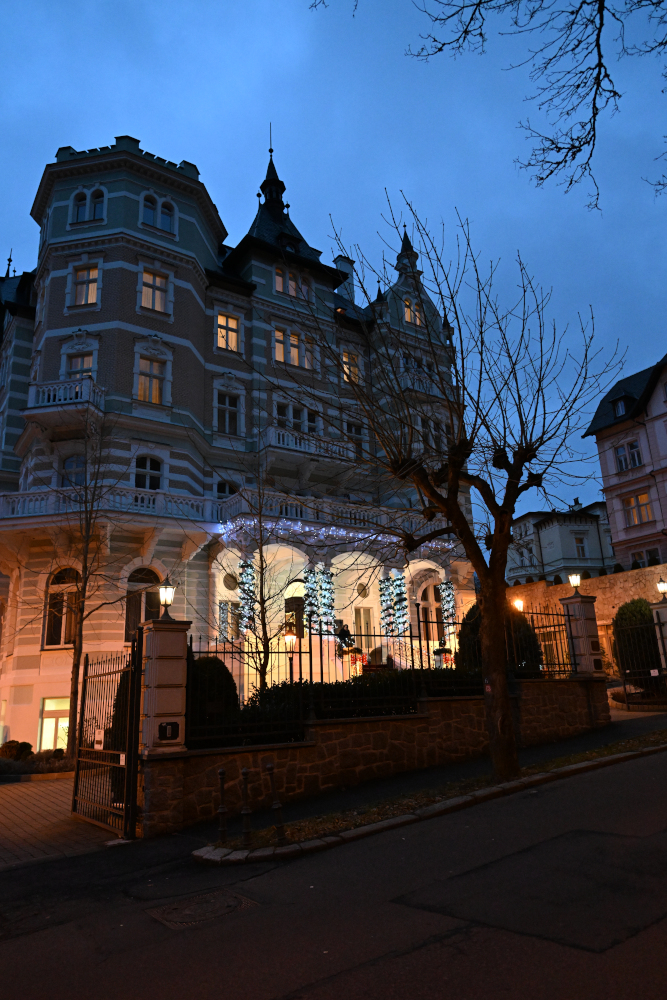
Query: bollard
245	811
222	811
277	807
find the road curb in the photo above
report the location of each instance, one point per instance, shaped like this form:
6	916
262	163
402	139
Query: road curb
225	856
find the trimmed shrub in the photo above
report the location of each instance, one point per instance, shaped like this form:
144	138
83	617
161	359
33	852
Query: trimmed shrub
14	750
524	653
636	643
212	694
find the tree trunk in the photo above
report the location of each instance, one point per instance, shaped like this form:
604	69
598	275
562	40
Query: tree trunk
74	683
502	741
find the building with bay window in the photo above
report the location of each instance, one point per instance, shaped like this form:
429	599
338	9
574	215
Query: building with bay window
149	378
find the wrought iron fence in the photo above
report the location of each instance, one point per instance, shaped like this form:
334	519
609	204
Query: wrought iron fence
641	652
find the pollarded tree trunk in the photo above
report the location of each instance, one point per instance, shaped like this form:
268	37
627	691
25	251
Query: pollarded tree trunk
496	690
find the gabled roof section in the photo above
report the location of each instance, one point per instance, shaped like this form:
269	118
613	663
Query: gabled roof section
15	294
635	389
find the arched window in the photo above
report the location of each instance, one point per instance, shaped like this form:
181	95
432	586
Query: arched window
407	308
142	603
280	280
225	489
80	208
167	217
150	208
147	476
63	596
74	471
98	204
417	315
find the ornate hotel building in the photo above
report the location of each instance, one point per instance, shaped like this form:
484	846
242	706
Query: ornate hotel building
150	358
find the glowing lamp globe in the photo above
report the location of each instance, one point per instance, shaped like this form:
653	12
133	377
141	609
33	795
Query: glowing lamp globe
662	588
575	580
518	604
167	591
289	635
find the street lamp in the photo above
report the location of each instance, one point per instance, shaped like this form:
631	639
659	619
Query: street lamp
289	635
167	590
662	588
518	604
575	580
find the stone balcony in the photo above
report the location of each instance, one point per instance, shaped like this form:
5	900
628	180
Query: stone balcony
65	392
289	439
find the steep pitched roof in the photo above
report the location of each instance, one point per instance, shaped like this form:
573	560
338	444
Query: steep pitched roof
635	389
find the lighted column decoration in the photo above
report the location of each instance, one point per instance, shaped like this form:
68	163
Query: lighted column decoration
400	605
248	595
448	605
311	600
325	590
387	606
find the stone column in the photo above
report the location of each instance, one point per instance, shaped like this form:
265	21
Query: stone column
163	686
582	631
659	610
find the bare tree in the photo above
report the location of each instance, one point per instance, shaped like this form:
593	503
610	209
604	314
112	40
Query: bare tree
569	57
482	404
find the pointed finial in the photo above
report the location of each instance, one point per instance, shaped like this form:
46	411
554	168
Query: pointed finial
270	140
9	262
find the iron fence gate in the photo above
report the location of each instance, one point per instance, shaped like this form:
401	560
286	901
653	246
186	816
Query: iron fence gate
105	776
640	651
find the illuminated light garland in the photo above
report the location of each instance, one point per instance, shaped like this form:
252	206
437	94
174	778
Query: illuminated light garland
387	625
311	601
325	591
248	595
448	605
400	605
235	528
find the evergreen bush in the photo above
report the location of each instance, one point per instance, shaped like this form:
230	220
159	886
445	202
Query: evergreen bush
636	643
524	653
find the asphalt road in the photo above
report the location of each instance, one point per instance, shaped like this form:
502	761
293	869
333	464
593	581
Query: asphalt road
558	893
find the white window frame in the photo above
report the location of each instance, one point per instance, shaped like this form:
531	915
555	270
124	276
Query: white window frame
348	349
159	201
303	336
230	386
85	260
155	267
80	343
318	432
154	349
146	449
88	221
222	310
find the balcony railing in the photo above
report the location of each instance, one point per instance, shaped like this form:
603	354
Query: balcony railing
420	381
309	444
65	393
151	503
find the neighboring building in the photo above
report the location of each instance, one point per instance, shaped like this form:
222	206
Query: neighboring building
549	545
630	428
142	325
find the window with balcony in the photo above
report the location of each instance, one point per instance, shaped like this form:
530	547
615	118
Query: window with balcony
298	418
97	202
150	210
580	546
74	471
154	292
85	285
228	413
151	379
167	217
228	332
79	365
142	602
80	208
350	366
61	605
637	509
148	473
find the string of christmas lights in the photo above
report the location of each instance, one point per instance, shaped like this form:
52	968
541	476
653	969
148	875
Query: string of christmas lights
400	605
311	599
448	605
325	590
387	625
248	595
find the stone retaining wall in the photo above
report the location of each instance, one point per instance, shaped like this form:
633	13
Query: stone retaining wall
180	789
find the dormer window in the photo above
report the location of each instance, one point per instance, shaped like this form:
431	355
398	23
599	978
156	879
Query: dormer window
619	407
289	248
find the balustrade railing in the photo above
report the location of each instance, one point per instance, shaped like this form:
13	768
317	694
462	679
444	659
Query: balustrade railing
310	444
65	392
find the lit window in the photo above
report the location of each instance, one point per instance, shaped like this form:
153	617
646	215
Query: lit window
407	309
635	454
166	217
228	332
417	315
350	367
151	375
638	558
154	292
98	205
228	413
80	208
280	281
86	286
287	347
80	365
61	607
225	489
292	283
150	210
637	509
621	459
580	543
147	475
55	724
74	471
619	407
644	504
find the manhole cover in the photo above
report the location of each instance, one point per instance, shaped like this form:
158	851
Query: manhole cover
196	909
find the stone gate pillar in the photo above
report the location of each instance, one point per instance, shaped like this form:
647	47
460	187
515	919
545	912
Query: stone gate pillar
163	686
582	631
659	609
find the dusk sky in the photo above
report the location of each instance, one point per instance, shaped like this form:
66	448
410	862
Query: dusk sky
352	115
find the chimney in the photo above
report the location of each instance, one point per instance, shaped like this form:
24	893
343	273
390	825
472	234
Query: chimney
346	266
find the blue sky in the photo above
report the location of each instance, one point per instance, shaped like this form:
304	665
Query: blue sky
352	115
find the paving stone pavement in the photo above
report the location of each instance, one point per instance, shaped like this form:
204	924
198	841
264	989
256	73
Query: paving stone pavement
36	825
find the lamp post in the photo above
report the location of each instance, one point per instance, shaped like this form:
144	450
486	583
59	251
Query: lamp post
289	635
518	604
575	580
167	591
662	589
